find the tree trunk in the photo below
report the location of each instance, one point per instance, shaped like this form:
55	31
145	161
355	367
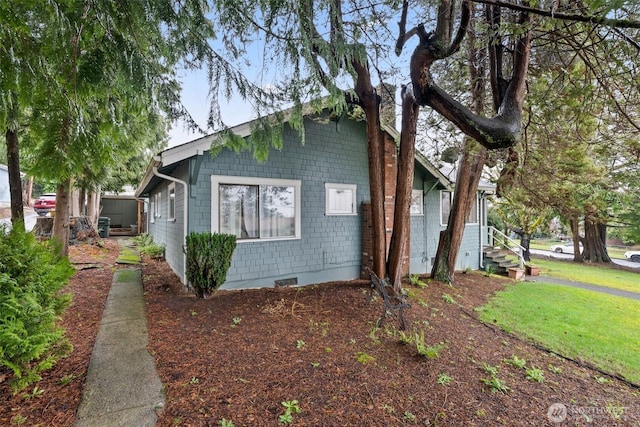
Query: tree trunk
15	181
525	242
575	235
467	181
595	248
473	159
61	216
370	103
93	207
75	202
404	187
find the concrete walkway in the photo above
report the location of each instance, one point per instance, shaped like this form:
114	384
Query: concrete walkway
122	387
587	286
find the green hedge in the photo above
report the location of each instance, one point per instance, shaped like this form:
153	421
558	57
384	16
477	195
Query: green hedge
31	276
208	261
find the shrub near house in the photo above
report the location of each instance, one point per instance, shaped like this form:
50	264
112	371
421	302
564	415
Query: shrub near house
31	276
208	261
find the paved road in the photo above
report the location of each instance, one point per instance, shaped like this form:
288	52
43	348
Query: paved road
550	254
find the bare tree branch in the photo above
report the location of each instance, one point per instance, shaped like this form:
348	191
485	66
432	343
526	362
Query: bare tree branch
592	19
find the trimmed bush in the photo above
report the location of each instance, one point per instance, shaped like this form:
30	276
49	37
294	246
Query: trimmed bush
208	261
31	276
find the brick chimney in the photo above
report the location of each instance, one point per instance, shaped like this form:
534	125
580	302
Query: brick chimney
387	94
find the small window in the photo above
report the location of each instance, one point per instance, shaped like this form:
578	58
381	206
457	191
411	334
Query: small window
152	210
340	199
417	204
157	199
172	202
446	199
446	202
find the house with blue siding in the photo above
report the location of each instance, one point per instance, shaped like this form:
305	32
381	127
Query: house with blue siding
302	216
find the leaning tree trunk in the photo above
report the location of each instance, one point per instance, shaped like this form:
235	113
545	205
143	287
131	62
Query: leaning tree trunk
61	216
402	211
15	182
473	159
471	164
595	236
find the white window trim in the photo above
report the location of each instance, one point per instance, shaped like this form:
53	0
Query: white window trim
216	180
152	211
332	186
171	188
420	193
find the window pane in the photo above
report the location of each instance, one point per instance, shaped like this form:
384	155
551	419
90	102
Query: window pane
278	211
445	206
239	211
416	202
172	203
473	214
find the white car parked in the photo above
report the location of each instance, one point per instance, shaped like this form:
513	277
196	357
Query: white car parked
566	248
632	256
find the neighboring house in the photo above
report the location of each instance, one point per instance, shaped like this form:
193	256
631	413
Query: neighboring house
302	216
5	195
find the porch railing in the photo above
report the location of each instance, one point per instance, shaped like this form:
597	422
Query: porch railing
497	239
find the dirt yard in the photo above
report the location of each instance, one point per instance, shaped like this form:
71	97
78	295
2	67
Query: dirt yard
240	354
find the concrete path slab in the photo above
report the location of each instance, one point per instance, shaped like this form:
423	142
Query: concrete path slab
122	387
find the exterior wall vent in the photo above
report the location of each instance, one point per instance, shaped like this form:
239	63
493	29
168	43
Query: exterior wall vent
286	282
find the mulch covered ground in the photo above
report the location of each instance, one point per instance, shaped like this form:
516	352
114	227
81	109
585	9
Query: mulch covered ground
240	354
62	385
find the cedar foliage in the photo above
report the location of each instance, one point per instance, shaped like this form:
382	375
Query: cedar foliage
31	276
208	261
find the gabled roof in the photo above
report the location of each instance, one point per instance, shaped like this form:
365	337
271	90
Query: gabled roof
169	159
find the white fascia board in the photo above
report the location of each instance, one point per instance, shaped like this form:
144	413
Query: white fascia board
199	146
147	176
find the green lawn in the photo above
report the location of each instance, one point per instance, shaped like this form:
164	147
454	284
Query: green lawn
596	275
591	326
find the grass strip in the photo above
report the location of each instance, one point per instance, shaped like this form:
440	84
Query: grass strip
594	327
593	274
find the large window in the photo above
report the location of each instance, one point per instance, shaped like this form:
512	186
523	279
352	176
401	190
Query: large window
172	202
340	199
446	201
255	208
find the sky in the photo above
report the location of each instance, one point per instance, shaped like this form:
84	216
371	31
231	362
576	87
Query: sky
195	97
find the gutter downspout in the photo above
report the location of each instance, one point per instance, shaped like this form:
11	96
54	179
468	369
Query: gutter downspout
157	162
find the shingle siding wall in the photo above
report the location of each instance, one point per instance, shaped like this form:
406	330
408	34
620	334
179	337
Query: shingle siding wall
329	248
170	232
425	232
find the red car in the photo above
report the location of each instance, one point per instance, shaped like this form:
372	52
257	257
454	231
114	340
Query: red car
45	204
